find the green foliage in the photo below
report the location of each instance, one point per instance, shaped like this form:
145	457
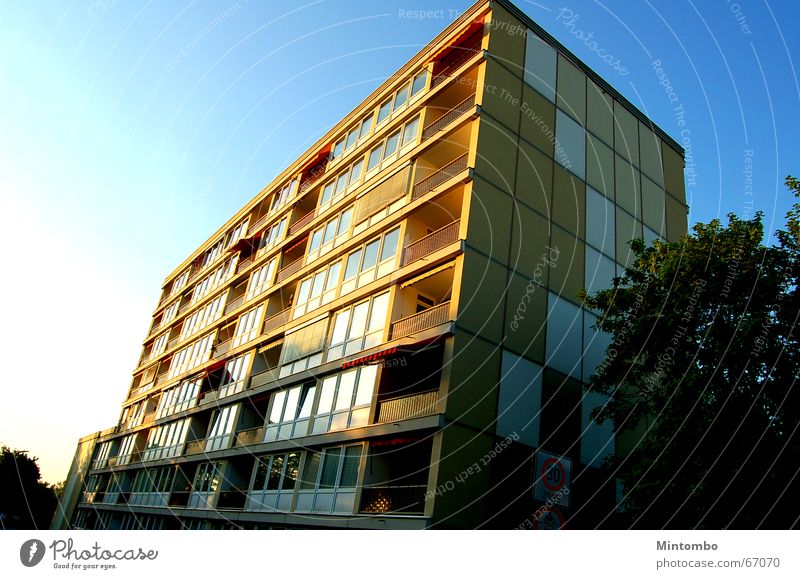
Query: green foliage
26	502
702	375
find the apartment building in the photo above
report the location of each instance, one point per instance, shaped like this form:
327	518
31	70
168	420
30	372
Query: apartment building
389	333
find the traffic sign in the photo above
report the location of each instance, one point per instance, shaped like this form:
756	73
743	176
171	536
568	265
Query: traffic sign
549	519
552	479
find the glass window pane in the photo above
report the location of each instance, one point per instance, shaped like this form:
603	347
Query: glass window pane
352	456
375	157
401	98
600	222
355	173
390	244
290	475
291	404
540	66
330	231
391	145
319	280
377	318
341	182
344	397
366	385
316	240
326	395
275	473
366	125
410	131
333	276
277	407
330	466
571	137
310	470
352	264
338	149
306	401
384	111
419	82
359	320
370	255
340	327
302	293
351	138
327	191
344	222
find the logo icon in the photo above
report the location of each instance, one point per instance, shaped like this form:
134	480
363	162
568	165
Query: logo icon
32	552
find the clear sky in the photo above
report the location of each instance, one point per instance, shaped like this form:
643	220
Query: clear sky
130	131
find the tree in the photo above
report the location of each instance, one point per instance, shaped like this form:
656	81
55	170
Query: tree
702	377
26	502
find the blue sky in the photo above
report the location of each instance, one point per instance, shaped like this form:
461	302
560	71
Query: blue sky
131	131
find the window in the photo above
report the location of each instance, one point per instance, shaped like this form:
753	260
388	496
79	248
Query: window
366	127
564	336
329	480
166	441
169	313
238	232
179	282
420	81
283	195
290	412
338	149
126	448
206	482
213	252
410	132
345	400
520	398
570	151
277	472
234	376
540	66
375	157
248	327
191	356
159	345
317	290
180	398
275	479
273	234
401	98
375	260
600	230
352	137
303	347
261	279
220	435
391	145
201	318
152	481
385	111
101	455
327	193
358	327
331	234
215	279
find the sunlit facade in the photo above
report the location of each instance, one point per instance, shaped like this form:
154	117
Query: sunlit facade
385	335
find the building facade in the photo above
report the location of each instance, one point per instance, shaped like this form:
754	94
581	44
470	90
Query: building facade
387	335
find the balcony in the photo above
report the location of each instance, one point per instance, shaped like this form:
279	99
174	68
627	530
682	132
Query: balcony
408	500
437	178
431	243
424	320
243	264
289	270
448	117
302	222
250	437
456	60
234	305
195	447
405	407
262	378
274	322
233	499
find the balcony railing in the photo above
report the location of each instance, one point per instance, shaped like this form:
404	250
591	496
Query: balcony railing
195	447
221	349
393	499
276	321
448	117
432	242
231	499
425	319
302	222
149	417
161	378
258	380
243	264
436	178
462	55
405	407
289	270
248	437
234	304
